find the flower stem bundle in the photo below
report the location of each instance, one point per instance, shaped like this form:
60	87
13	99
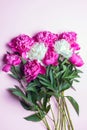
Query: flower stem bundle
45	66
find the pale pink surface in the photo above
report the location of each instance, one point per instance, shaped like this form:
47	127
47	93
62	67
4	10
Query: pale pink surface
28	17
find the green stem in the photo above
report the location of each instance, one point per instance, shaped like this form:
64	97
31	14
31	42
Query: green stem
63	119
53	116
19	80
45	112
68	115
46	123
61	113
21	85
44	120
64	125
67	119
57	127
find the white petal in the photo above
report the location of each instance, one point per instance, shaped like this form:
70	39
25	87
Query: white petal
37	51
63	47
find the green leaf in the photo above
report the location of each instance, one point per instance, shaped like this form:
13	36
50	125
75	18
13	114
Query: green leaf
48	108
13	76
47	70
23	60
19	93
17	69
64	68
25	105
44	78
55	94
44	101
13	70
16	72
76	80
74	103
28	106
31	87
35	117
56	68
64	86
79	71
65	60
68	70
72	75
51	77
32	97
45	82
48	85
57	74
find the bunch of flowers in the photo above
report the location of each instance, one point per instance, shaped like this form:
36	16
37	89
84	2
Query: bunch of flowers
45	66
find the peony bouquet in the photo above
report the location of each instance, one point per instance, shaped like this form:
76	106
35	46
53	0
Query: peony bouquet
45	66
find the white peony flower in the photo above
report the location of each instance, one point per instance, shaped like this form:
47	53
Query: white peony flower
63	47
37	51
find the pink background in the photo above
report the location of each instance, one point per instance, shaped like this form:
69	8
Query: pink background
30	16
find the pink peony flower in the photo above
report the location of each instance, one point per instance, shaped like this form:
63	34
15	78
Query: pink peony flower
21	44
51	58
76	60
6	68
11	60
71	37
47	37
75	46
32	69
